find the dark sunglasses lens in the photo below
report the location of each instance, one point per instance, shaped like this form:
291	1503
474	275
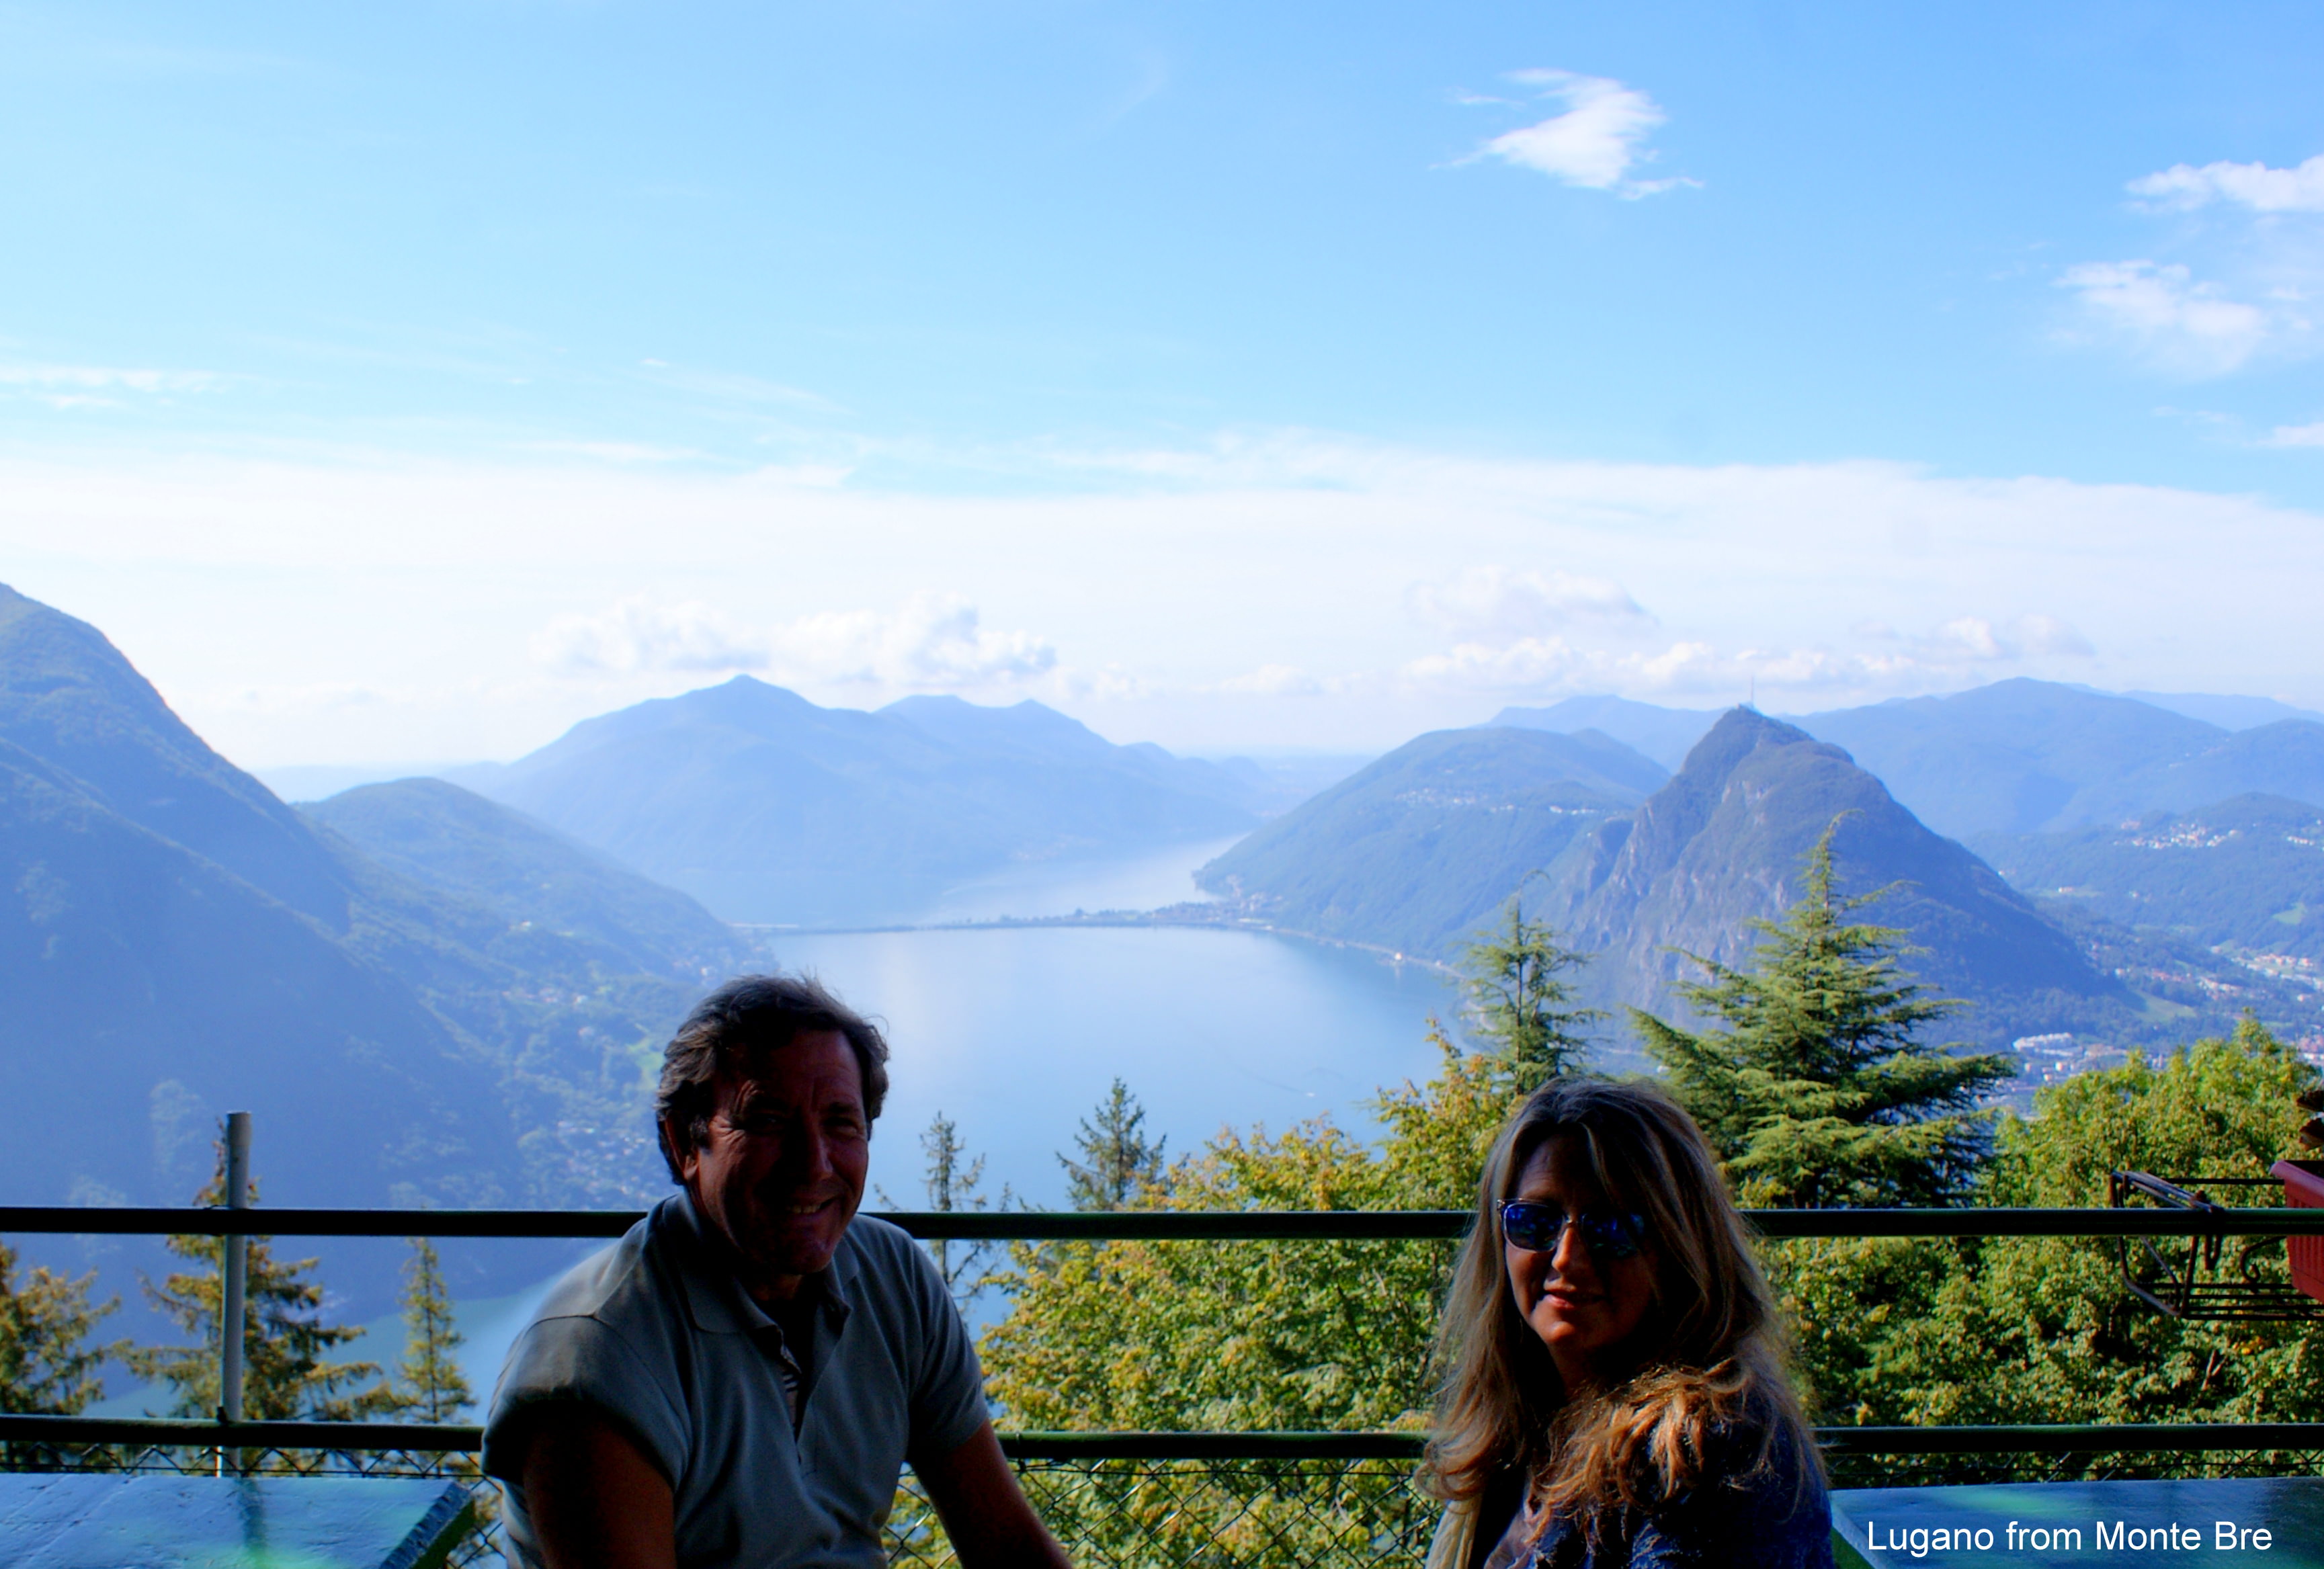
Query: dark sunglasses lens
1612	1236
1534	1227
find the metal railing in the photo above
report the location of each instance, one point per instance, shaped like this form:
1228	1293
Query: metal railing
1208	1498
1339	1225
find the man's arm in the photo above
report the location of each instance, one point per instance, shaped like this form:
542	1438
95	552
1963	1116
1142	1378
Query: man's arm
594	1498
984	1510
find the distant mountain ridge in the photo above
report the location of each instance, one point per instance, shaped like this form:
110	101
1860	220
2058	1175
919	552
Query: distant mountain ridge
2023	756
769	808
1417	850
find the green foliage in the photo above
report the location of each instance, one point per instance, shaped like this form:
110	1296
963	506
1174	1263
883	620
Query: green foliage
2025	1329
47	1364
1241	1335
1518	1002
1119	1163
1818	1091
434	1389
1259	1335
284	1337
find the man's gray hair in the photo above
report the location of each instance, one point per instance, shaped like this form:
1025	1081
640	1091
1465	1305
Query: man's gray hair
749	1015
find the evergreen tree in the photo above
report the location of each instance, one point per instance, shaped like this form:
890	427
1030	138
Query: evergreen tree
1117	1163
954	1181
1517	1001
284	1337
46	1362
1818	1091
434	1389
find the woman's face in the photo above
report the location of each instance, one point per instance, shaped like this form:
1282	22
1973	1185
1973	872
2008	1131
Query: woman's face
1584	1305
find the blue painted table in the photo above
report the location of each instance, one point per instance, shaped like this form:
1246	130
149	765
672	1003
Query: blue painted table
84	1521
2260	1522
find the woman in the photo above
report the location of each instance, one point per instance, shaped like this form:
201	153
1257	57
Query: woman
1616	1391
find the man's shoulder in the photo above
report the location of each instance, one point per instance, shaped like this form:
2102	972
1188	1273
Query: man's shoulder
617	1283
886	1252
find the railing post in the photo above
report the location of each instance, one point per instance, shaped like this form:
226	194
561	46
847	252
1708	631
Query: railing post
233	1310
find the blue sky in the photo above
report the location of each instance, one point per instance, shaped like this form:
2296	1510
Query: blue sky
405	383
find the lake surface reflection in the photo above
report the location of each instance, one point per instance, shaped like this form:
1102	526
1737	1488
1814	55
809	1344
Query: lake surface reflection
1015	1033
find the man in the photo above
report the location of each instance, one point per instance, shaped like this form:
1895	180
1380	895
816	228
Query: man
741	1379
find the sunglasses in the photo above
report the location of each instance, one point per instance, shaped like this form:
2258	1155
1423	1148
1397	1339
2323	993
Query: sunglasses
1538	1228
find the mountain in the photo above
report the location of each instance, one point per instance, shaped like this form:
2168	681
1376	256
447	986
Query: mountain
532	879
175	942
154	980
1664	735
1722	843
2022	756
2245	874
2229	713
768	808
68	697
1418	850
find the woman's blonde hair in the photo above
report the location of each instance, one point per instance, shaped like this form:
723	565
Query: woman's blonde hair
1711	1374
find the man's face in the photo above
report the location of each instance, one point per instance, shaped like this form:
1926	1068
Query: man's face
781	1168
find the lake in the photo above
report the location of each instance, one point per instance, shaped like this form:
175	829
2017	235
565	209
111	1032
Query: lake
1015	1033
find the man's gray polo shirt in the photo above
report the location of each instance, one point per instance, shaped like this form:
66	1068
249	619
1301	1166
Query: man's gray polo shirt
652	1333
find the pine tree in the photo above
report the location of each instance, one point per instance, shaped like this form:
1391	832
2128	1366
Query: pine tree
1818	1092
1518	1003
46	1362
434	1389
285	1336
1117	1163
954	1181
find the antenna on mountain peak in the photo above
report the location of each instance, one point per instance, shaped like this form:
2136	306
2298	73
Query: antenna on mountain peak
1752	702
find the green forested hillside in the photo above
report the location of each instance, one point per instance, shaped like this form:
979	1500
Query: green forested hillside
1417	850
538	883
2245	873
2022	756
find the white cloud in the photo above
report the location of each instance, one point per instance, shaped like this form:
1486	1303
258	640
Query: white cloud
1272	681
1163	585
2295	435
2183	324
2247	293
2183	187
95	386
1494	602
1958	652
1594	145
633	637
935	641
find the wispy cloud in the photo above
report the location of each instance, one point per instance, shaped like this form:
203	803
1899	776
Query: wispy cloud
934	641
1962	649
1595	143
2184	187
1495	601
2295	435
2247	295
2179	322
101	386
634	636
